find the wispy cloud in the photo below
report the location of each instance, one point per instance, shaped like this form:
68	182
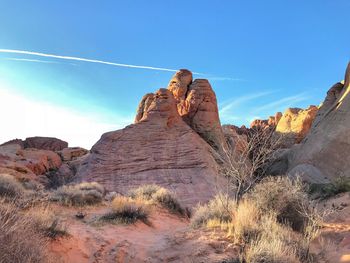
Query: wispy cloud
39	54
225	79
32	60
229	106
285	102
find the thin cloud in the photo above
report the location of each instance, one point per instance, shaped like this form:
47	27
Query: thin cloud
238	101
39	54
285	102
32	60
225	79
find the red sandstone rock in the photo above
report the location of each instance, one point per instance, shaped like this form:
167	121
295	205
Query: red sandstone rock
72	153
159	148
45	143
295	124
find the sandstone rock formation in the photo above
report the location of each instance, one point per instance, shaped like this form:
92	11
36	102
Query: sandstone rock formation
196	104
37	161
324	152
271	122
295	124
161	147
41	143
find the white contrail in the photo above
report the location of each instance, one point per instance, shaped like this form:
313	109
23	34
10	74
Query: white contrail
24	52
32	60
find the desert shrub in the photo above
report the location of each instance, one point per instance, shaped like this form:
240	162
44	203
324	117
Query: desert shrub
10	187
46	222
168	200
219	208
275	243
20	242
158	195
126	210
79	194
145	192
283	196
246	221
324	191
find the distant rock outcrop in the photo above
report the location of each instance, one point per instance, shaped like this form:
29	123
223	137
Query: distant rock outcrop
41	143
160	147
295	124
325	150
271	122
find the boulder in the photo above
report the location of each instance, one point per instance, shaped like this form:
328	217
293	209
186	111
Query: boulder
327	145
72	153
295	124
39	161
159	148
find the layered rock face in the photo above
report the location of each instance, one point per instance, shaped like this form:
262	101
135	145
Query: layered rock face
324	153
295	124
164	146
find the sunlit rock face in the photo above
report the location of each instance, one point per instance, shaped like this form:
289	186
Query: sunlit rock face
295	124
324	153
271	122
159	148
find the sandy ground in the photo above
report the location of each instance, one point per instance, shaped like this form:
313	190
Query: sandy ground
168	239
334	244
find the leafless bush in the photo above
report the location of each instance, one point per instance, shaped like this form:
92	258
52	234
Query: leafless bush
247	164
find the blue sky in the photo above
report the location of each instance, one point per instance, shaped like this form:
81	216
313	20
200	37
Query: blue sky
260	56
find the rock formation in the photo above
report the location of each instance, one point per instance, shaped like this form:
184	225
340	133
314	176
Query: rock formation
324	152
41	143
27	160
295	124
165	146
271	122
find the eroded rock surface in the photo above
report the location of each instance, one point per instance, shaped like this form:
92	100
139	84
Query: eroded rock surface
159	148
327	145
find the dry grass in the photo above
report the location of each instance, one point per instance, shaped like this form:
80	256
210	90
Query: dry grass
126	210
46	222
80	194
145	192
282	196
20	241
275	222
275	243
10	187
220	209
245	220
157	195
